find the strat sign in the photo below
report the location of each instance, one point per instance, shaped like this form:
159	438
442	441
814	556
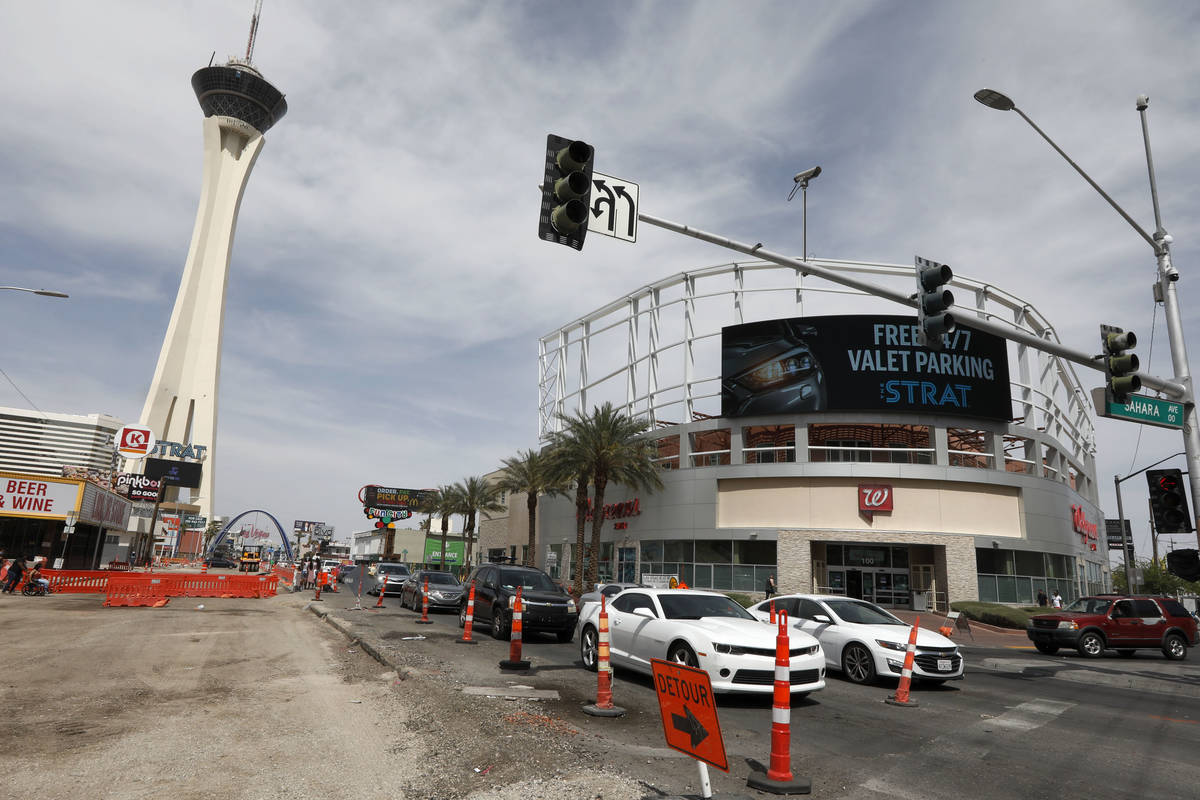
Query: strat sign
25	498
1088	531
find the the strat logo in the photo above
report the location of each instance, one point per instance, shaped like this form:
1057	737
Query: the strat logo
873	498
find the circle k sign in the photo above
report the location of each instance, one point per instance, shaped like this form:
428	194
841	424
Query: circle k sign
134	441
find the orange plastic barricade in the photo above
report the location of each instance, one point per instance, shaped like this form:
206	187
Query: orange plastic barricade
123	591
77	581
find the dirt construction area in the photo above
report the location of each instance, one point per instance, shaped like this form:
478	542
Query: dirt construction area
256	699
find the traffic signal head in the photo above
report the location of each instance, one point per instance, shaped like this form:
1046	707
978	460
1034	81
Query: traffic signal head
1168	501
933	302
566	191
1184	564
1120	368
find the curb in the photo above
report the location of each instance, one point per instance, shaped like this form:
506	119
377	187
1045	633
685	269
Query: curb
354	638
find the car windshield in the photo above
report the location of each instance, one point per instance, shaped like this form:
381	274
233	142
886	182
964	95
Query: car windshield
392	569
512	578
862	613
444	578
1090	605
695	606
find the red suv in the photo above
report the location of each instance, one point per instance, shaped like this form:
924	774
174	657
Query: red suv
1124	623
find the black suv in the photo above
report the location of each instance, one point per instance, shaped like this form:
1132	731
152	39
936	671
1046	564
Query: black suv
545	606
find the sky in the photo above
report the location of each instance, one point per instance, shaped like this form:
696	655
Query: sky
387	287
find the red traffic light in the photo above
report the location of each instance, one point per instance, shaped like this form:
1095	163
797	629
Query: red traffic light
1168	482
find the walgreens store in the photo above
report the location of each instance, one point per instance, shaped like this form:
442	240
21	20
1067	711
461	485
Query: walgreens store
837	454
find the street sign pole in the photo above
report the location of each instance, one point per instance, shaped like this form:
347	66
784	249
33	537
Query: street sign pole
1129	579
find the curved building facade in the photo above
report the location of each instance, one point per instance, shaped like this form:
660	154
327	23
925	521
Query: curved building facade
802	435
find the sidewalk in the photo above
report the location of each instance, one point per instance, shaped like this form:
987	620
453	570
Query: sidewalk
1146	671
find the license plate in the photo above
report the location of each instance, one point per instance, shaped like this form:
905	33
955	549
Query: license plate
944	665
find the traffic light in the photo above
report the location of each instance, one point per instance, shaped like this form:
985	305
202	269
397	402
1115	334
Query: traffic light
933	302
1119	366
566	191
1168	501
1184	564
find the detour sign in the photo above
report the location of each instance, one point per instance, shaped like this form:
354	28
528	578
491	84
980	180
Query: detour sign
689	712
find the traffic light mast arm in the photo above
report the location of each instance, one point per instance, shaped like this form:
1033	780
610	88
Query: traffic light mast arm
1176	390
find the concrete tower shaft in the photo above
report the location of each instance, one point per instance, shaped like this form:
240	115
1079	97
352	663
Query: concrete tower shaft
181	405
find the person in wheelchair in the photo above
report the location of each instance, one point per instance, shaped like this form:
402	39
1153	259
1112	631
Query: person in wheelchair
38	577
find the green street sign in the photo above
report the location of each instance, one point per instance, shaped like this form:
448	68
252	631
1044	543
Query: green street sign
1139	408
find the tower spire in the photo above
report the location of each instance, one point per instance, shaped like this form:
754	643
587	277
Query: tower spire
253	30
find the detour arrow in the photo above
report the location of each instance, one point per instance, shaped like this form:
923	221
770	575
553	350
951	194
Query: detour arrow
690	725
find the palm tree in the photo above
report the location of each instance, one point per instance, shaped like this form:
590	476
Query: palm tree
607	444
476	496
442	501
529	472
569	466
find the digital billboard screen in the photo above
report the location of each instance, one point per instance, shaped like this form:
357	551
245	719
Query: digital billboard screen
860	363
173	473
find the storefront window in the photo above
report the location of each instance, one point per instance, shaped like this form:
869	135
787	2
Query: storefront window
722	577
768	444
677	550
652	550
714	551
753	551
710	448
668	452
867	556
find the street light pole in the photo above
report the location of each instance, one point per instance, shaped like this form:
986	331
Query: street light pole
42	292
1165	293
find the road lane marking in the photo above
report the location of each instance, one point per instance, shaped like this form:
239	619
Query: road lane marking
1172	719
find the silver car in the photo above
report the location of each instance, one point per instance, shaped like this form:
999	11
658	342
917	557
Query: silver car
395	573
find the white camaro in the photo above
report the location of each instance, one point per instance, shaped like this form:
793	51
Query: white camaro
701	629
865	641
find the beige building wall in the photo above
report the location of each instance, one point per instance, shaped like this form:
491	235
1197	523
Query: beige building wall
832	503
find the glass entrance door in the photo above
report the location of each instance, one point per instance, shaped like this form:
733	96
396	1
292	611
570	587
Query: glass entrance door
626	565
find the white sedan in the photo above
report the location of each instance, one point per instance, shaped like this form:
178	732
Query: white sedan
864	641
700	629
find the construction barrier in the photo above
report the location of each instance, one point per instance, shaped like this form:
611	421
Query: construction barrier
125	591
900	698
425	620
779	778
77	581
470	618
382	592
603	707
514	647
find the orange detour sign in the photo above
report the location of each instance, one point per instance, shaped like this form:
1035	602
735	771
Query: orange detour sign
689	712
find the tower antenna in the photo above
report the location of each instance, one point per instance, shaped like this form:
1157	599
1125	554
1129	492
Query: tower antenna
253	30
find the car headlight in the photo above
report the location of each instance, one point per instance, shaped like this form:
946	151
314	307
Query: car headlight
571	607
779	370
438	594
891	645
729	649
1069	624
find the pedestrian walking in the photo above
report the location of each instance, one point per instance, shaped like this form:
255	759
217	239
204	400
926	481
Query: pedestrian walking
1057	599
771	589
1042	598
16	569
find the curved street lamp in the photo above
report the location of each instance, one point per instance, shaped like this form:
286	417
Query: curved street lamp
42	292
1165	291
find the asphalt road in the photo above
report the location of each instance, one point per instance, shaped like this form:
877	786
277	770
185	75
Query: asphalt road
1018	734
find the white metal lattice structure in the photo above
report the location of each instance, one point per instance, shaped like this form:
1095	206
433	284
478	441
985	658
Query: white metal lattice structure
656	351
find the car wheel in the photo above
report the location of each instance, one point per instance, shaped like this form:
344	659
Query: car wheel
500	625
1044	647
1091	645
858	665
462	615
680	653
565	636
1174	647
1125	652
589	648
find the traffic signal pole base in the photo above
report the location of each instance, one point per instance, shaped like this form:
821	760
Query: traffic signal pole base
760	781
593	710
513	665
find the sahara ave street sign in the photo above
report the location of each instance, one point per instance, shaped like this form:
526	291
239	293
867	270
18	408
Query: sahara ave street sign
1140	408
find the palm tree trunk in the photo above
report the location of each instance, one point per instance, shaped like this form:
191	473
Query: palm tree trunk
597	524
445	530
531	501
581	500
469	535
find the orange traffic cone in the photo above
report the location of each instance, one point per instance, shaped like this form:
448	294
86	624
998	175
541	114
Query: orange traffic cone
425	620
900	698
514	661
779	778
469	619
603	707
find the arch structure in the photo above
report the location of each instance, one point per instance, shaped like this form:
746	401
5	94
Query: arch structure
287	546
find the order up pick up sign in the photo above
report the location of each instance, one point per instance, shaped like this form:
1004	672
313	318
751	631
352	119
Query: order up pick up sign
689	712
